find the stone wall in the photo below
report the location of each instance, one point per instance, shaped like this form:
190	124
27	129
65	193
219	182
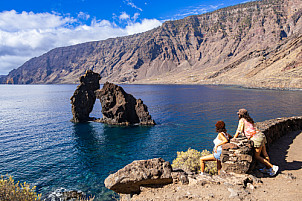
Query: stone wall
237	155
276	128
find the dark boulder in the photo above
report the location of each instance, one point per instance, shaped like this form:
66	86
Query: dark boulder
128	180
84	97
120	108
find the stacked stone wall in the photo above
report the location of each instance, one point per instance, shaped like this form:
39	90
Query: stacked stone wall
274	129
237	156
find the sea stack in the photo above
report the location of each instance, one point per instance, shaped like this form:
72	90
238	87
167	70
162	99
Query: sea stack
84	97
120	108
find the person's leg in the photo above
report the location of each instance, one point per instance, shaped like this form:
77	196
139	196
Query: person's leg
264	153
258	151
218	166
205	158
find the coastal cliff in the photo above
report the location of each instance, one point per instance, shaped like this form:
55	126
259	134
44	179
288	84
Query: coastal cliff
256	44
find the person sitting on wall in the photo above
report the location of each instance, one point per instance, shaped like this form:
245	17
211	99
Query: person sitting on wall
222	138
247	127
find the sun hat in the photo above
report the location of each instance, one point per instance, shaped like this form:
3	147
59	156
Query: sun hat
242	111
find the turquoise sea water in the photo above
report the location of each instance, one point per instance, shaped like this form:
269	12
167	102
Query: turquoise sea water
39	144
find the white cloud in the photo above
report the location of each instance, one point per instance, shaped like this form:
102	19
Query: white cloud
140	27
130	3
195	10
247	1
135	16
12	21
27	34
83	16
124	16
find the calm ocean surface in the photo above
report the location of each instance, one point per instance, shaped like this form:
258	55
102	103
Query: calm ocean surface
39	144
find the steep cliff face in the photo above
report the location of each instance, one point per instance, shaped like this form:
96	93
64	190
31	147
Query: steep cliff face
256	44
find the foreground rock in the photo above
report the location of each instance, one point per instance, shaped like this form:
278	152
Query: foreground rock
120	108
140	173
84	97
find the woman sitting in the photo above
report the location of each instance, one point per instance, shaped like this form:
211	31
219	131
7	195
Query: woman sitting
222	138
247	127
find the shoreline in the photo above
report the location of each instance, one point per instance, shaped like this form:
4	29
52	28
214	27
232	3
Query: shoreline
184	84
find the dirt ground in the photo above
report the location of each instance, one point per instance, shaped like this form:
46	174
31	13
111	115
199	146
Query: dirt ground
286	185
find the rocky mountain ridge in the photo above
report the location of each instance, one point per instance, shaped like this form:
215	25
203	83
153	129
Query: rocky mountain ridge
256	44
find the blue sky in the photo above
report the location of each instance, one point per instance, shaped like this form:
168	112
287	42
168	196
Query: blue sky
29	28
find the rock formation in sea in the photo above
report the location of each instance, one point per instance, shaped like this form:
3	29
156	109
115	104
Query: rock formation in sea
121	108
84	97
128	180
256	44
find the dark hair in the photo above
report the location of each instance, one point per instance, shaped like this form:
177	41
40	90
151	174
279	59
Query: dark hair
246	117
220	127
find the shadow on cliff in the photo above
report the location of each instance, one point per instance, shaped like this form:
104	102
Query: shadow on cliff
279	149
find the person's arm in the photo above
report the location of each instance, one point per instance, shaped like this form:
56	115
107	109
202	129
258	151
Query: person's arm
240	128
223	139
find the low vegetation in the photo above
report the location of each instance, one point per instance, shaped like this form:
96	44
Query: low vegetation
16	191
189	161
9	190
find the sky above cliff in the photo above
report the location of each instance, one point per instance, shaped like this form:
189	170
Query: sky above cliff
32	27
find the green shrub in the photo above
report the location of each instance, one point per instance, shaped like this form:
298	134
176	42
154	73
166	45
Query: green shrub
189	161
9	190
210	166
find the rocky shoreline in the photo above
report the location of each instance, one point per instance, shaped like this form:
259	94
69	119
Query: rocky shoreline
229	185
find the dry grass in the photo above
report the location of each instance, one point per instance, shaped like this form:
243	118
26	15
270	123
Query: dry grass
189	161
9	190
